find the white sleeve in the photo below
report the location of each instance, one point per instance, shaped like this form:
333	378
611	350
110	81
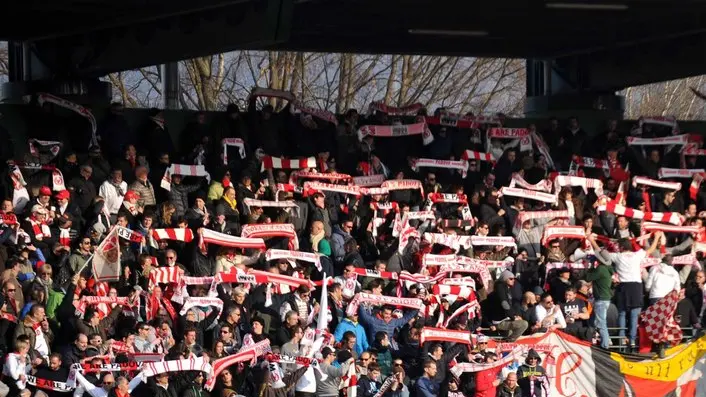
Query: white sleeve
560	318
283	310
651	277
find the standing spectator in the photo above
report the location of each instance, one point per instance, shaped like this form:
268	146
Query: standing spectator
662	280
112	191
426	386
532	372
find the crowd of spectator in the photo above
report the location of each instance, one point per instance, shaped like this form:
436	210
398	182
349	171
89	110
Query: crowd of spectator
47	254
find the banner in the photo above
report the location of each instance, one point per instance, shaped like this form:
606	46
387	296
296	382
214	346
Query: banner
575	368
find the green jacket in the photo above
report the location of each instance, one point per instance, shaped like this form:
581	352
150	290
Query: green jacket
53	301
602	278
324	247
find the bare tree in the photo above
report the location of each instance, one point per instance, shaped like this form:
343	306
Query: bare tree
677	98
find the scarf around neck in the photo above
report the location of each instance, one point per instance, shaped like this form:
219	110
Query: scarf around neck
315	240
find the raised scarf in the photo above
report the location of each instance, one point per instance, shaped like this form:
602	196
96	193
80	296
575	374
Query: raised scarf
391	131
528	194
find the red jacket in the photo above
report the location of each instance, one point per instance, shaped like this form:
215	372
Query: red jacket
484	382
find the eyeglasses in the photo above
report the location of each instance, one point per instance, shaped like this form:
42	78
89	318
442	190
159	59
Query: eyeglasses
397	365
86	242
548	302
305	295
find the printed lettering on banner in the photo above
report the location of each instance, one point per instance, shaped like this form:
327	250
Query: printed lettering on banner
399	130
246	279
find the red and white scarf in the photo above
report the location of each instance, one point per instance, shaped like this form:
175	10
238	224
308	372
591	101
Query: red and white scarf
41	230
265	230
185	235
523	216
528	194
182	169
474	155
669	121
237	142
270	204
430	334
296	175
674	218
556	232
511	133
679	173
192	301
452	241
275	254
361	297
472	308
269	162
54	147
392	131
642	180
504	241
329	187
375	274
460	165
586	183
245	354
403	184
409	110
475	266
542	148
438	260
695	185
663	141
189	364
589	162
369	181
74	107
210	236
544	185
255	277
447	120
653	227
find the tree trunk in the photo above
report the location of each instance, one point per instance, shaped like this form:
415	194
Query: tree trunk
390	86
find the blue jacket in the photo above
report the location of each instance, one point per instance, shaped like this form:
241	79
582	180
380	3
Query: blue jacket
338	239
426	387
374	324
361	340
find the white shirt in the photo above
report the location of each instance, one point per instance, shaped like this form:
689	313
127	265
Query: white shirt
627	265
113	200
662	280
542	313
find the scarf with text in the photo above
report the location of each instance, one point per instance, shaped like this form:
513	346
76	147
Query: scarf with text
472	309
668	121
642	180
544	185
310	187
431	334
208	236
524	216
663	141
653	227
382	300
266	230
460	165
53	147
296	175
369	181
528	194
521	134
452	241
247	353
271	204
409	110
391	131
557	232
679	173
403	184
276	254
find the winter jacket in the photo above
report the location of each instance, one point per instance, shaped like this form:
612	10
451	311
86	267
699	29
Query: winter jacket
426	387
602	278
102	327
525	372
329	386
361	340
368	387
146	191
504	391
338	239
484	382
179	196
